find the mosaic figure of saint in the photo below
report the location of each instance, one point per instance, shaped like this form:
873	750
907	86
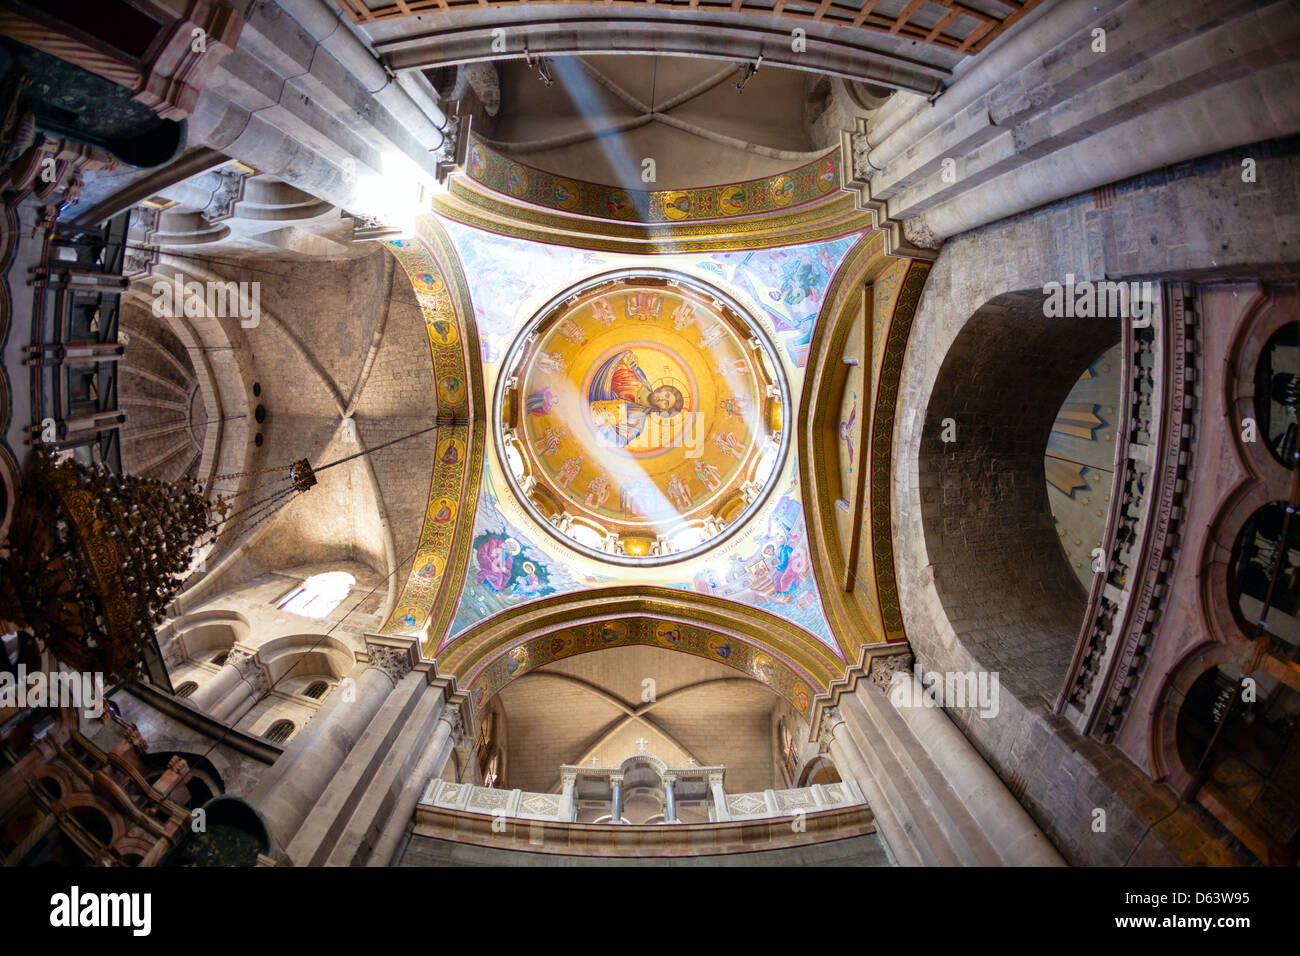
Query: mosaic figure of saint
603	311
708	475
541	402
730	444
683	316
551	362
621	400
569	470
679	492
597	491
550	441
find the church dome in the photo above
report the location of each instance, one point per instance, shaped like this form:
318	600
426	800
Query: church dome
639	417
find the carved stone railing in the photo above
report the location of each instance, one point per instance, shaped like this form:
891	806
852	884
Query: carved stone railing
1152	452
555	807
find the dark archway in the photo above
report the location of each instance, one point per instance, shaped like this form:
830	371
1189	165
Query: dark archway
998	568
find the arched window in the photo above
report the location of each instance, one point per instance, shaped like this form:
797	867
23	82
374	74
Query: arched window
316	689
280	731
220	659
1266	571
319	594
1277	392
186	689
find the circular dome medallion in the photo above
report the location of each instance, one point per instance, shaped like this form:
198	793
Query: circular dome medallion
639	417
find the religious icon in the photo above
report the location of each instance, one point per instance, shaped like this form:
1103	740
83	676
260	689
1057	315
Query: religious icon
679	492
683	316
528	583
730	444
597	491
734	405
541	402
550	441
734	367
621	399
632	497
573	332
708	475
569	471
643	305
496	558
603	311
712	336
552	362
452	455
444	330
787	565
445	511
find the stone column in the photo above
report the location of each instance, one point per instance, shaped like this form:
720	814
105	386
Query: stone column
252	686
436	754
616	807
215	689
287	792
379	778
569	781
930	791
670	808
720	811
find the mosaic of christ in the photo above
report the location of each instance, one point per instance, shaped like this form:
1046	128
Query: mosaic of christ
621	400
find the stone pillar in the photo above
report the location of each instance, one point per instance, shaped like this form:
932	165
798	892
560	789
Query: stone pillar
287	792
930	792
252	686
569	780
215	689
616	807
379	778
436	754
670	808
720	811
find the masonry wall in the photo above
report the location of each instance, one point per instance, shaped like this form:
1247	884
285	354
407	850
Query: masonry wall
1198	220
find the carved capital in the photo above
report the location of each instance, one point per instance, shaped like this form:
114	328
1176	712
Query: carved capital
393	661
883	669
826	732
918	234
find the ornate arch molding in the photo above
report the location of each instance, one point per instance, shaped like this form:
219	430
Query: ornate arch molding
813	182
427	600
473	204
873	297
793	663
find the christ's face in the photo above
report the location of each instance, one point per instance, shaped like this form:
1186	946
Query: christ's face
663	399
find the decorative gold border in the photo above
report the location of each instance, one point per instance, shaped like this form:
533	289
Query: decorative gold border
471	204
429	261
882	444
507	177
850	621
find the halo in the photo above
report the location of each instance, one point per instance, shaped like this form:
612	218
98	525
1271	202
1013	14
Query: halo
512	546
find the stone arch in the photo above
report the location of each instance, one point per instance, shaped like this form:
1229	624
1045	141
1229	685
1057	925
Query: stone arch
1166	763
300	658
792	663
999	573
199	636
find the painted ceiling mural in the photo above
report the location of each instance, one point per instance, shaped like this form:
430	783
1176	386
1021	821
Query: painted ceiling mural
624	362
